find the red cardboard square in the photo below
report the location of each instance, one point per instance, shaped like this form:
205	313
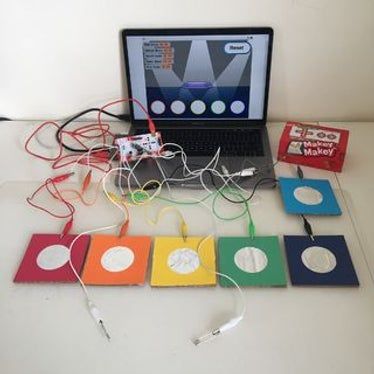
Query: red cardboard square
46	258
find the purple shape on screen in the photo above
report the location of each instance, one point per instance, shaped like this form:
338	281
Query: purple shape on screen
197	84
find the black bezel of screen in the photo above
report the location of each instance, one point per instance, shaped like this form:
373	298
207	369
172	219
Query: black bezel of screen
200	31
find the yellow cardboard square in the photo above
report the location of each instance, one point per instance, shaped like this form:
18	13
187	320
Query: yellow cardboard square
179	262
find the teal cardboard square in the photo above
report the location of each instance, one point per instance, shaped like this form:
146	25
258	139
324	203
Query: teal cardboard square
251	262
308	196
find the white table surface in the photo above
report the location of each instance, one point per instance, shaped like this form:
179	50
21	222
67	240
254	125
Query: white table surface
45	328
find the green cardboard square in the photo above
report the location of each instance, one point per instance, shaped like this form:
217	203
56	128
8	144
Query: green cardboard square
251	262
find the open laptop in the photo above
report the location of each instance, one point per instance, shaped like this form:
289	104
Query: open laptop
204	89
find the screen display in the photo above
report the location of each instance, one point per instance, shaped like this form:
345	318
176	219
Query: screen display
199	76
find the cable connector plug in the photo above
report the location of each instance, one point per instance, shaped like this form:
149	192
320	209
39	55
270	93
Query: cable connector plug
245	173
95	313
249	172
216	332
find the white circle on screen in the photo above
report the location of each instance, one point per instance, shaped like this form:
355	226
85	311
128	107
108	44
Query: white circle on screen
117	259
53	257
158	107
183	261
218	107
318	259
251	259
177	107
237	107
308	195
198	107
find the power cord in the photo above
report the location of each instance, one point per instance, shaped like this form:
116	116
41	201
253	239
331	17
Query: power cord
122	117
259	183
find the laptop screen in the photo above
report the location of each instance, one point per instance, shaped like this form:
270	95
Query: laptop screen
213	76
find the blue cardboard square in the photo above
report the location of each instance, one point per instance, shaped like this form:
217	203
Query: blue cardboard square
308	196
324	261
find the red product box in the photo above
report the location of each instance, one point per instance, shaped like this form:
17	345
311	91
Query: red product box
312	145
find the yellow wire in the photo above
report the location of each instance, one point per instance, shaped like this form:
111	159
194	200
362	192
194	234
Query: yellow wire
183	227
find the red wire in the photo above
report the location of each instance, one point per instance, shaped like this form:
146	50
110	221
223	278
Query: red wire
33	134
55	194
79	133
98	159
151	125
83	132
93	160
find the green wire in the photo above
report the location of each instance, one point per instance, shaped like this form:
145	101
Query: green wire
251	225
186	202
138	197
215	195
233	218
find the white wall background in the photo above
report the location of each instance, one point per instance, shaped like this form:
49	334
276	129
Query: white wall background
58	57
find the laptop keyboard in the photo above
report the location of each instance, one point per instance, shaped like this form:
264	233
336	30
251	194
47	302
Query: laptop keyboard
205	142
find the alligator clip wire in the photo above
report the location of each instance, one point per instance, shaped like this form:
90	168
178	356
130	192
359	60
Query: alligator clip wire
184	230
251	229
300	172
308	227
86	181
183	227
50	186
117	200
68	226
124	228
61	178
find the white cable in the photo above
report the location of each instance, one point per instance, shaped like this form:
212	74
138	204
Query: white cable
163	175
232	322
188	174
193	174
94	311
89	151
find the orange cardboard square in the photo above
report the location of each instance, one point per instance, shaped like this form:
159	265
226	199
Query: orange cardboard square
116	261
